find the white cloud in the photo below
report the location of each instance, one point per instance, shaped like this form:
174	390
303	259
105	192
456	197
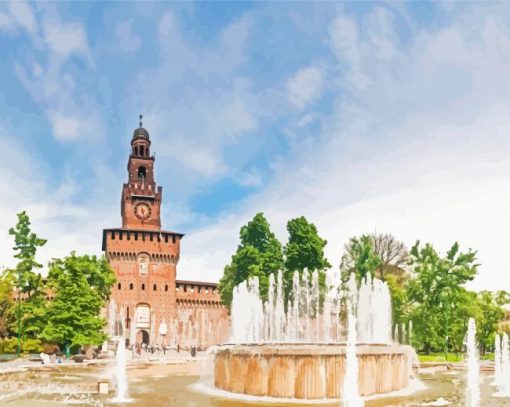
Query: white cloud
305	120
250	178
23	15
72	113
305	86
196	101
127	40
420	150
65	39
53	214
4	21
65	127
165	25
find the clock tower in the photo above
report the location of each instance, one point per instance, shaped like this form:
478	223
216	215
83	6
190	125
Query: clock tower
148	304
141	199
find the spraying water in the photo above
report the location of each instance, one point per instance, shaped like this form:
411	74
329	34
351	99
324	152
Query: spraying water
312	314
498	373
473	374
502	366
350	388
120	375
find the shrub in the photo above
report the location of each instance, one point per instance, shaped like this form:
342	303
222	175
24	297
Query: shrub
32	346
8	345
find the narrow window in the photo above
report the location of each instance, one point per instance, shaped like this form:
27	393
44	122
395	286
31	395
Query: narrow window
131	286
141	173
173	239
142	153
136	235
143	287
154	287
119	286
113	235
185	288
166	238
166	287
152	237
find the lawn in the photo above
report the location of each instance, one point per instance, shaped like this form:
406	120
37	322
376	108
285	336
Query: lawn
452	357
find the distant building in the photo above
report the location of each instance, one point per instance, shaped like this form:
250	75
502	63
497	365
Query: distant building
148	303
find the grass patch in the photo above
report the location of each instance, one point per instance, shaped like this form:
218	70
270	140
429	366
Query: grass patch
440	357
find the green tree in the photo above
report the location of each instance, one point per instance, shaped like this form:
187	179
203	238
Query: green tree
30	313
489	316
437	293
359	257
258	254
305	248
386	258
304	251
6	304
81	286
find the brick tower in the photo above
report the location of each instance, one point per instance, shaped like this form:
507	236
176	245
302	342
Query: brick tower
143	256
151	306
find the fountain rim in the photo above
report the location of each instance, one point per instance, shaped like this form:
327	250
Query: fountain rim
307	348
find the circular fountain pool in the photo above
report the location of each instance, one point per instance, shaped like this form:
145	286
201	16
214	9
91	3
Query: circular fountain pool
309	371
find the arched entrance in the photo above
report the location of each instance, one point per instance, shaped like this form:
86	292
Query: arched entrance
142	337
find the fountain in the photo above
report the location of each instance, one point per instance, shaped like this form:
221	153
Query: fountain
120	374
501	366
297	349
473	374
350	387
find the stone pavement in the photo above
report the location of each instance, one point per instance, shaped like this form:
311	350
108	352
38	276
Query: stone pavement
145	357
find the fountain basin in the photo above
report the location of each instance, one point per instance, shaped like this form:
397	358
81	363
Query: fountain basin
309	371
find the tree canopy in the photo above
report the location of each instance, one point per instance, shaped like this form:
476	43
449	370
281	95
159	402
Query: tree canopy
27	278
81	284
436	289
258	254
359	258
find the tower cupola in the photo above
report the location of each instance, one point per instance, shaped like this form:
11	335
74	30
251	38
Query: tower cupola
140	143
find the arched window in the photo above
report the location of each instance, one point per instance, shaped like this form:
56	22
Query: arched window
142	152
141	173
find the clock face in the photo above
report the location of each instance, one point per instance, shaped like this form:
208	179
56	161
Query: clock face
142	211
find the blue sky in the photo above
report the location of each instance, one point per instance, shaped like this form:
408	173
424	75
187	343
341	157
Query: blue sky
387	116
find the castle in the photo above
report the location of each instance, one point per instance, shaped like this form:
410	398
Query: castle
149	303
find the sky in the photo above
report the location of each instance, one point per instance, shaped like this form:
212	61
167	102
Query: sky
388	117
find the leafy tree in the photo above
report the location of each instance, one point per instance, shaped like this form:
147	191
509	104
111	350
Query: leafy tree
304	251
359	257
81	285
305	248
360	254
259	254
6	304
489	316
437	293
27	278
386	258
